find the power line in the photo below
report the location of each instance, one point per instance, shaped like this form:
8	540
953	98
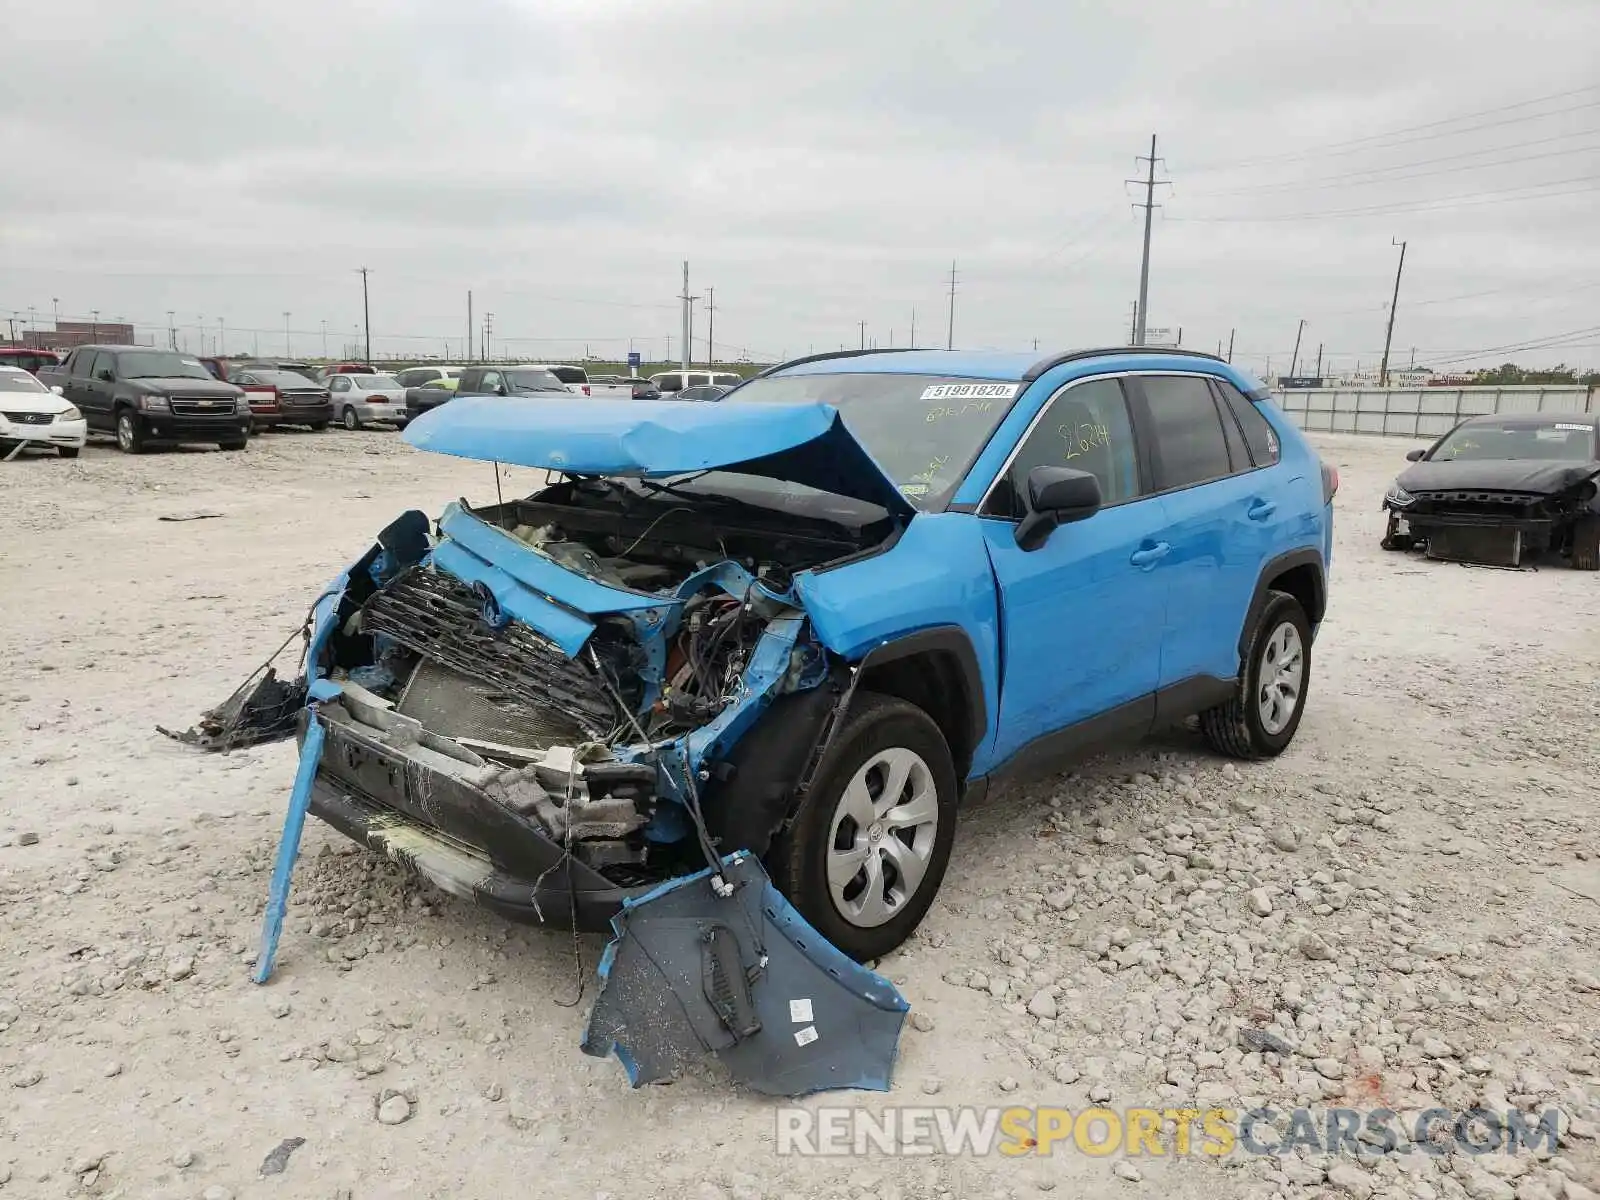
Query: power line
1354	178
1357	145
1440	204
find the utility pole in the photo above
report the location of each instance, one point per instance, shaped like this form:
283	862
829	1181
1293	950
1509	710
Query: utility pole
1133	326
287	352
1231	332
1413	358
950	336
94	314
325	342
711	326
1294	359
863	325
488	335
684	296
1319	360
1149	207
468	343
172	334
913	329
55	311
1388	337
366	314
222	337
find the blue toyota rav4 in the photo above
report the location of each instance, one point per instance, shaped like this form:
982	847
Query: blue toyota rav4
809	620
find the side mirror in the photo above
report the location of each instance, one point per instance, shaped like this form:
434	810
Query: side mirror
1056	496
56	388
1415	455
106	376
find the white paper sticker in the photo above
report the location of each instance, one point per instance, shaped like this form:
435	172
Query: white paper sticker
1574	428
800	1012
970	391
806	1036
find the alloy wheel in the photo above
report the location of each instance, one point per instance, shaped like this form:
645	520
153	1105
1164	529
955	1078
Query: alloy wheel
1281	678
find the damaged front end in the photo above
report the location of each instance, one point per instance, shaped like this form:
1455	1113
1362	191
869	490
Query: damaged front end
532	719
570	706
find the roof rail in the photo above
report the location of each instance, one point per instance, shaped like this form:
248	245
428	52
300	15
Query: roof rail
1056	360
811	358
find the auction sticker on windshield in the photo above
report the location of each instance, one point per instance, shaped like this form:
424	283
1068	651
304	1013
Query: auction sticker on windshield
970	391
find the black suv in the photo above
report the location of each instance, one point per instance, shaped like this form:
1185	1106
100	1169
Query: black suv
143	396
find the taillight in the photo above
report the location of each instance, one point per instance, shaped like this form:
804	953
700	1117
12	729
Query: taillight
586	391
1330	483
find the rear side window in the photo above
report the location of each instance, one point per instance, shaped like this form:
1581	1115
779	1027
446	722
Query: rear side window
727	380
570	374
1258	432
1086	427
1189	444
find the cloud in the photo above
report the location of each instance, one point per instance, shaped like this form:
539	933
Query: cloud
820	164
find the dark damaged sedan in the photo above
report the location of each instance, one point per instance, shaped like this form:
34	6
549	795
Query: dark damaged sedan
1500	489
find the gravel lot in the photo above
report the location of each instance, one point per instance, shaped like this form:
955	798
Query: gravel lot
1410	896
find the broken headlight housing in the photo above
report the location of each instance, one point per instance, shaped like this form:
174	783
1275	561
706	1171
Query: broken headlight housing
1398	497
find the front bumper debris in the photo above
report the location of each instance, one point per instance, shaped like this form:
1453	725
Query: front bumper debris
750	981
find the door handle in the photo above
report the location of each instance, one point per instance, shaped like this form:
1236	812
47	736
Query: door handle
1150	555
1261	510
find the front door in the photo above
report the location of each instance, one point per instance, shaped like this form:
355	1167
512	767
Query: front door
1081	615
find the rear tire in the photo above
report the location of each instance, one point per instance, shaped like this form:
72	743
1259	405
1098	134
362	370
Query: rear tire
319	426
1261	718
885	746
1586	544
130	434
350	419
67	451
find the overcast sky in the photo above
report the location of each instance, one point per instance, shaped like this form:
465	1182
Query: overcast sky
819	164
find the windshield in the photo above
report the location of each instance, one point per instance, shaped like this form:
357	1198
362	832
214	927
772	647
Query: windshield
376	383
160	364
21	382
923	430
534	381
1562	441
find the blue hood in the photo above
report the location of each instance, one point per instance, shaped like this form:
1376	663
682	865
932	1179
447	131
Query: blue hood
800	443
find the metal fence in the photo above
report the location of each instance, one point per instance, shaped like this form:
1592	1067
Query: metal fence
1423	412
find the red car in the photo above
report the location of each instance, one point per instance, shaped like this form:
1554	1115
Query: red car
350	368
28	359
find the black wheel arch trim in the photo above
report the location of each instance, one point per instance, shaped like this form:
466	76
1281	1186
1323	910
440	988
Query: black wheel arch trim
941	639
1305	556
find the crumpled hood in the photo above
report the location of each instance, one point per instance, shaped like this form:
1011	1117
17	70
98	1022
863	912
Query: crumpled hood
800	443
1542	476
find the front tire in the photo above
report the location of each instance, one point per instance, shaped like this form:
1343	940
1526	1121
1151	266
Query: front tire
130	434
1261	719
1396	541
350	419
1586	544
238	445
864	856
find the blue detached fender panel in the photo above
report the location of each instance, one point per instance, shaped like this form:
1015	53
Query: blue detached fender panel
750	981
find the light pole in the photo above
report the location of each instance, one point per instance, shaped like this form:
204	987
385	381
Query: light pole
172	334
200	331
324	339
94	335
287	352
55	311
222	337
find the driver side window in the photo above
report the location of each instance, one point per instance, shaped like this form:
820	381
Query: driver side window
491	382
1084	426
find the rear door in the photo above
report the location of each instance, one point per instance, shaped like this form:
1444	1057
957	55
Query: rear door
1221	521
1082	615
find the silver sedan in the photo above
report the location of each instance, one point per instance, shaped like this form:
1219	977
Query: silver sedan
360	400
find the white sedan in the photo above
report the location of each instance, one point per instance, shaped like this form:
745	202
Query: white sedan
34	415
